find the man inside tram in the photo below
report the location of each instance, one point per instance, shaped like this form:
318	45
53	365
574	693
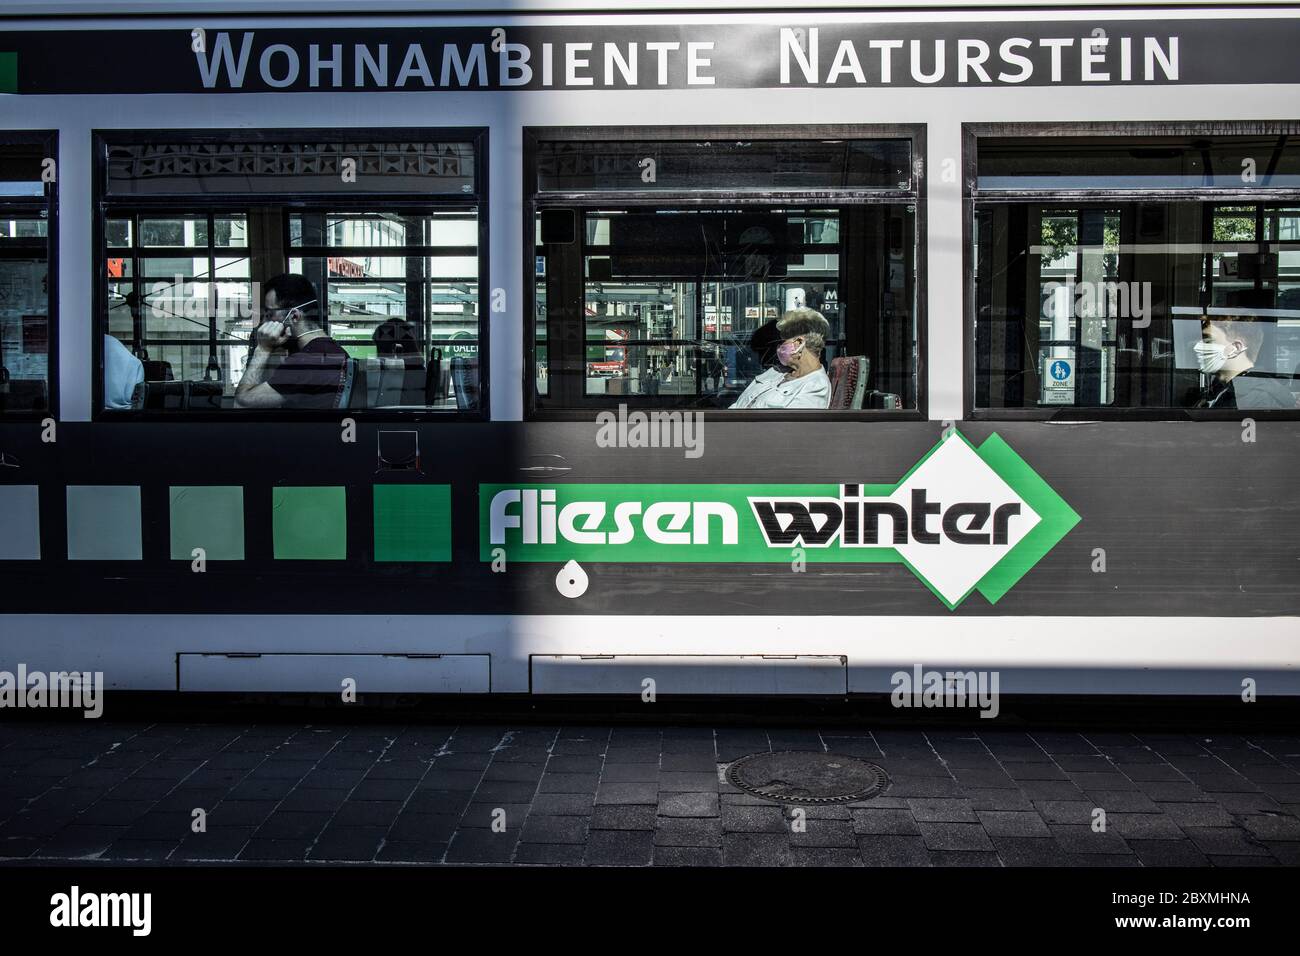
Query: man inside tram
312	374
798	380
1228	352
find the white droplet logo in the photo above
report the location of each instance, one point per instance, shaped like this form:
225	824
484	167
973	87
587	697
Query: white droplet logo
572	580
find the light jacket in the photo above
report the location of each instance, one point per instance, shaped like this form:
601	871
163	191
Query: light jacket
768	390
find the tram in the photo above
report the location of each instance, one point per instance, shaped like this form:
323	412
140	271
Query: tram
563	349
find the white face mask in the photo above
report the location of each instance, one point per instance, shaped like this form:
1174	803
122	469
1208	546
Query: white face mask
1211	356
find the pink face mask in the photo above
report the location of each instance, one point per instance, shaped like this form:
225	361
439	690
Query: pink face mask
786	352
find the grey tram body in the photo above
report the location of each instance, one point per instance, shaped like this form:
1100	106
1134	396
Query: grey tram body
1201	531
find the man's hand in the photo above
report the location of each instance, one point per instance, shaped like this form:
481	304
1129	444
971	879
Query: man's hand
272	335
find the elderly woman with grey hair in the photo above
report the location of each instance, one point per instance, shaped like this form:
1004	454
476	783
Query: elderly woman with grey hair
798	380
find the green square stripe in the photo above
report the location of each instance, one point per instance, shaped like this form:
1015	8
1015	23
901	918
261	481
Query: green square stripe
8	72
210	517
309	523
412	522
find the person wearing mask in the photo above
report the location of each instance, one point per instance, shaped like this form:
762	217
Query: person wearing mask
312	374
1227	353
798	379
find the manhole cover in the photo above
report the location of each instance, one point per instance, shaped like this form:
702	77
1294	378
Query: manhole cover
804	776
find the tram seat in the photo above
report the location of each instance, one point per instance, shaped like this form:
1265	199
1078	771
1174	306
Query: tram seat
352	392
385	379
849	381
156	370
464	379
25	394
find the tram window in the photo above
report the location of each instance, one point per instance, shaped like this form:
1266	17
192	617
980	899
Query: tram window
25	280
1106	274
672	300
386	250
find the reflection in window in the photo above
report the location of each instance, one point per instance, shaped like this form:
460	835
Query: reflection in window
25	321
1106	303
396	281
674	305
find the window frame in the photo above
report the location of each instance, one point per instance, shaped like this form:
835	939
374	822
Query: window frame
972	133
534	201
361	200
49	139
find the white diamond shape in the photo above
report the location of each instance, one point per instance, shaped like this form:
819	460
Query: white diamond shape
954	473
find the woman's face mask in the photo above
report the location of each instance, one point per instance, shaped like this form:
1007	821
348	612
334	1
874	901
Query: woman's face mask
786	352
1212	356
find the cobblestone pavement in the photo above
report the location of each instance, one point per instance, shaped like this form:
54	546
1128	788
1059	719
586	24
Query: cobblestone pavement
636	796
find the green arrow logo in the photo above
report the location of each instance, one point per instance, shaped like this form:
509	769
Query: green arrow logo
962	519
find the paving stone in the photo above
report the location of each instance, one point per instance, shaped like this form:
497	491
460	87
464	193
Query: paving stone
517	772
363	813
684	782
1082	839
964	858
690	763
274	850
1013	823
74	841
291	825
563	804
550	854
688	804
370	789
1168	853
438	779
1224	841
313	801
627	793
1004	800
925	787
1246	802
892	849
825	833
1271	826
399	852
1065	811
623	817
541	829
113	813
619	848
630	773
568	783
756	849
1143	826
884	820
144	850
1123	801
219	843
482	846
506	791
417	828
573	763
1162	791
1037	790
687	856
1196	814
753	819
678	831
954	836
347	843
940	811
484	815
